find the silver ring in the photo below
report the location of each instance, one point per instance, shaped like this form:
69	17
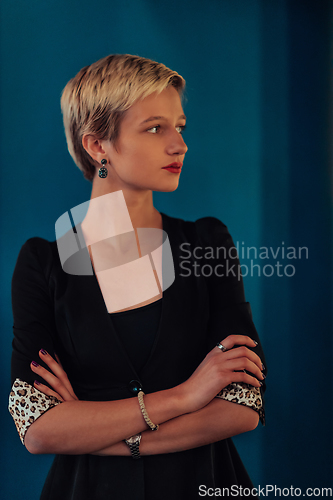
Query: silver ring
221	346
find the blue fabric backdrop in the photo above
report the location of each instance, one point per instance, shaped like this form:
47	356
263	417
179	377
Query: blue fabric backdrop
259	101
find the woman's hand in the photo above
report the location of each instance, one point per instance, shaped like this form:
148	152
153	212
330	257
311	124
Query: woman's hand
63	389
219	369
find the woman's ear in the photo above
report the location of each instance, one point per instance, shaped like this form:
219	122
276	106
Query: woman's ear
94	147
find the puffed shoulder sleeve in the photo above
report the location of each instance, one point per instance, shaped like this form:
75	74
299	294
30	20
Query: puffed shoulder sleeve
34	329
229	313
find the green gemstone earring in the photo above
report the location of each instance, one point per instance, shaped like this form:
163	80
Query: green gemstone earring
103	171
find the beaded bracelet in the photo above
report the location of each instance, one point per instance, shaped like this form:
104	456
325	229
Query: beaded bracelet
144	412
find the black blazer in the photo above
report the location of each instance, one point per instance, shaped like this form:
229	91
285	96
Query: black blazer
66	314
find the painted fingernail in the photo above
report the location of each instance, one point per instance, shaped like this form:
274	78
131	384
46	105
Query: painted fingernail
263	375
43	351
263	366
261	383
256	343
36	382
34	364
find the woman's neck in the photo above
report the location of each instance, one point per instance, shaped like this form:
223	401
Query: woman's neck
117	212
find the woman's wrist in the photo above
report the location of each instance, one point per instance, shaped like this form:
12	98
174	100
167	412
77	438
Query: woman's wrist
177	399
118	449
165	405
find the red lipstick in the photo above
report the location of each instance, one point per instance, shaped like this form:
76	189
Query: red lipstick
175	167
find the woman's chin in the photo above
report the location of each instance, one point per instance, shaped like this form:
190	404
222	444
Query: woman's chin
167	187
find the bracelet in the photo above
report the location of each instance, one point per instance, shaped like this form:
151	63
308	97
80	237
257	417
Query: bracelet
144	412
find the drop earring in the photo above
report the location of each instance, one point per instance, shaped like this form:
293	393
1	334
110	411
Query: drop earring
103	171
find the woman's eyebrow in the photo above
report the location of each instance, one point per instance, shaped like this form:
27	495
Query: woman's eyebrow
153	118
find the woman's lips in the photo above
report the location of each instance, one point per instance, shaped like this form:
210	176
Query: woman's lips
175	167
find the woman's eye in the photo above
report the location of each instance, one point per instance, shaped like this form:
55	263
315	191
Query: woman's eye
154	130
157	129
181	128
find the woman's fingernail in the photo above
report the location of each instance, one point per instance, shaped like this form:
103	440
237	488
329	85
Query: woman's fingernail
36	382
256	343
34	364
263	375
43	351
260	383
263	366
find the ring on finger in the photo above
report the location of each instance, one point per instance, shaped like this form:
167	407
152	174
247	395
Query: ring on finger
221	346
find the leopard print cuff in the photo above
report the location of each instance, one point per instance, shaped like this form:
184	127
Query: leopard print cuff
244	394
26	404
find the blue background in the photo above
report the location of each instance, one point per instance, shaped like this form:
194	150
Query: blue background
259	101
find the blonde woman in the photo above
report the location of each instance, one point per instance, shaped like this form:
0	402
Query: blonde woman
134	373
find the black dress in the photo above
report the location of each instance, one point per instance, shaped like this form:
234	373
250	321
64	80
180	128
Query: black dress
66	314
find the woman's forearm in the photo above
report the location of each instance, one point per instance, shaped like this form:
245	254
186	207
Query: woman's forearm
218	420
79	427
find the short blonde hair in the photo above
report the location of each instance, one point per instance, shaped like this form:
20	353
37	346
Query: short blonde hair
95	100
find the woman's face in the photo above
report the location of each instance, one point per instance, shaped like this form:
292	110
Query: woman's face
150	138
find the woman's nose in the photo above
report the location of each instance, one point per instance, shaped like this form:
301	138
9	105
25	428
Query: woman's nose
176	145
